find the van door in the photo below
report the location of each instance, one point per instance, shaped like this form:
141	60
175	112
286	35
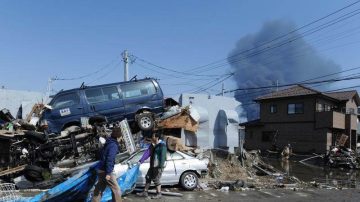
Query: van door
66	108
105	101
138	95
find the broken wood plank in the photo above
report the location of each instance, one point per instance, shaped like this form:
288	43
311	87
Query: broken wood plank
12	170
163	192
181	120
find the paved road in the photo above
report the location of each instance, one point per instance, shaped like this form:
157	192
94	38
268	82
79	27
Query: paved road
262	195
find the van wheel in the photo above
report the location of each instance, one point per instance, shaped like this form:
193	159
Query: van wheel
145	121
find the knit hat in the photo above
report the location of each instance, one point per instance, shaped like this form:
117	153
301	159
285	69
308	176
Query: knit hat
116	132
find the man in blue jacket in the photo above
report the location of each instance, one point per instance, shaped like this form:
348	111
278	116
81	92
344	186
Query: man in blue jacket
106	177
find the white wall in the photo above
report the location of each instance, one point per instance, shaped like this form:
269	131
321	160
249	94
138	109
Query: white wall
214	130
12	99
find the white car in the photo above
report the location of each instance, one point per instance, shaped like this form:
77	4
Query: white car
180	168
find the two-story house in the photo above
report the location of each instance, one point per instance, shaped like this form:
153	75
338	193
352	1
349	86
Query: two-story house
309	120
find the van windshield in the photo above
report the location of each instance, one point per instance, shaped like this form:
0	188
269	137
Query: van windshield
138	89
66	100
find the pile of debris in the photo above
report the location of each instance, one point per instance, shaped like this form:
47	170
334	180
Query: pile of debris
232	172
340	156
39	156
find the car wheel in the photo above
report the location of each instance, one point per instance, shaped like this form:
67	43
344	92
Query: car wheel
145	121
34	173
35	137
189	181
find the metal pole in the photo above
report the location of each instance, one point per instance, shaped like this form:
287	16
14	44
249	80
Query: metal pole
126	65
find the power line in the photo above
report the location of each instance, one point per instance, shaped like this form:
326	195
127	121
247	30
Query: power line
204	89
279	37
87	75
171	70
292	84
315	78
329	91
283	43
105	74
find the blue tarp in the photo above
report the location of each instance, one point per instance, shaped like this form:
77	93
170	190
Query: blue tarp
126	182
77	188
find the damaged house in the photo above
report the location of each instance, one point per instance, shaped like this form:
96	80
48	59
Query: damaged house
307	119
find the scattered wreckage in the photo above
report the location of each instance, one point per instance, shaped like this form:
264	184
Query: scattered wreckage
38	156
35	154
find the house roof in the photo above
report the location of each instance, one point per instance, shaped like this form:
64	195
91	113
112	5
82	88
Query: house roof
255	122
344	95
300	90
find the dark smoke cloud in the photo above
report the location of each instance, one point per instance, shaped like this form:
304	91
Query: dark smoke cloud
293	62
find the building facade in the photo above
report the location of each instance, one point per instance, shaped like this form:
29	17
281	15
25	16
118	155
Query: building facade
308	120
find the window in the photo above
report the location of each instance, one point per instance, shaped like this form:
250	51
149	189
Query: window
296	108
111	93
94	95
174	156
319	107
323	107
273	109
350	111
327	108
66	100
136	158
98	95
267	136
138	89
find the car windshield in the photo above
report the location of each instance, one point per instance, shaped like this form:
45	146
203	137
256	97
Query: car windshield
134	159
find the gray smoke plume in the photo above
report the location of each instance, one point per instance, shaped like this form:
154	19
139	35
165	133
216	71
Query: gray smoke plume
292	62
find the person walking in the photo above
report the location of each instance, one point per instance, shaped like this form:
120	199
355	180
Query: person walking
106	176
157	153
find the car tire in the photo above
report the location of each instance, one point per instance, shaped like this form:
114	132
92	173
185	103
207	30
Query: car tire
145	121
34	173
35	137
189	180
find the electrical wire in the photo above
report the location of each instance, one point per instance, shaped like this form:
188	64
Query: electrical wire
277	38
87	75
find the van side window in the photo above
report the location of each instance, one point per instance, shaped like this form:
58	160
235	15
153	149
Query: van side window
138	89
66	100
102	94
111	93
94	95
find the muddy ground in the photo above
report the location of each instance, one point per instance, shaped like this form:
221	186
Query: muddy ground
261	195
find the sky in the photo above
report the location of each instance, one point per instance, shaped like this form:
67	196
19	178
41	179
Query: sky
83	40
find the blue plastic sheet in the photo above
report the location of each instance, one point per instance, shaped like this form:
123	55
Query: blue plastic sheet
78	187
126	182
75	188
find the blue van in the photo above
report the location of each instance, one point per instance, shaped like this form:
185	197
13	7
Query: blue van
138	101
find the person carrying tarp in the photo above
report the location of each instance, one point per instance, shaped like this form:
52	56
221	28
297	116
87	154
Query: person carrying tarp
106	176
157	153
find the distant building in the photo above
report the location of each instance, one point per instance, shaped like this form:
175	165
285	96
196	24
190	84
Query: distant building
309	120
12	99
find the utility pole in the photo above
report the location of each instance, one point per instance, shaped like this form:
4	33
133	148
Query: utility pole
49	88
126	65
277	85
